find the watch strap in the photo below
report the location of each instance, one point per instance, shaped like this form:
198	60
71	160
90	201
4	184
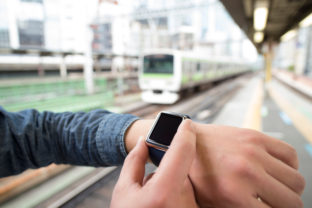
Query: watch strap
156	155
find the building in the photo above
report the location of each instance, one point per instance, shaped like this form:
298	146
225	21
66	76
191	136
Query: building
127	28
44	24
184	25
4	25
294	53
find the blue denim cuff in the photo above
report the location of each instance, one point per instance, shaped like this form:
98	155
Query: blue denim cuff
110	137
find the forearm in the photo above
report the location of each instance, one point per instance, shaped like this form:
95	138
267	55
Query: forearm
30	139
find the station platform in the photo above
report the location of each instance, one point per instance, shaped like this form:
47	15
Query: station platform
275	108
300	83
281	108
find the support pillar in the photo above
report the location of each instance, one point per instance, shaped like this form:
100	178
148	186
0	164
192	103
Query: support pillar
40	67
268	56
88	65
63	68
308	63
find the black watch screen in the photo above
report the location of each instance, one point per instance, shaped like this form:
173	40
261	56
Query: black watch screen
165	128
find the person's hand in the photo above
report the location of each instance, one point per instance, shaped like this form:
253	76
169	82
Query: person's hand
169	186
243	168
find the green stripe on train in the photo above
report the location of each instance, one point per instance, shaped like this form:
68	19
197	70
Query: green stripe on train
198	77
185	79
198	59
159	76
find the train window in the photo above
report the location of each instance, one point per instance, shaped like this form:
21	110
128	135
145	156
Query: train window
159	64
193	66
219	66
198	67
184	66
206	66
189	67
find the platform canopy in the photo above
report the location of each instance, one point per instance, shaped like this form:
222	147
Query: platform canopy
268	20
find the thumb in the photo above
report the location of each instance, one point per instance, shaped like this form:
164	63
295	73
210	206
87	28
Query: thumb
133	169
177	161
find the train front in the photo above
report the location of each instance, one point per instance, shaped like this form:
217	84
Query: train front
159	78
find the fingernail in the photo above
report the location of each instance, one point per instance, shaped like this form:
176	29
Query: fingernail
137	145
140	140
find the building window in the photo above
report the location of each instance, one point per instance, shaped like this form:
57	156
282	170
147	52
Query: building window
31	33
4	38
102	39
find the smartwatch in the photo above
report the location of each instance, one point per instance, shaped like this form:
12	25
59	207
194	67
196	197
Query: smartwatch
161	134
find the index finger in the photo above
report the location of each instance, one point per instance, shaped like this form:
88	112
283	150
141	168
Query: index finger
177	161
281	150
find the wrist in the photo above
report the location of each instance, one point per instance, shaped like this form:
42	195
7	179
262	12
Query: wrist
135	131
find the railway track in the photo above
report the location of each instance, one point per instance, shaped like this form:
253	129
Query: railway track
80	190
95	188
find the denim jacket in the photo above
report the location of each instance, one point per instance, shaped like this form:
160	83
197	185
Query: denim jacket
30	139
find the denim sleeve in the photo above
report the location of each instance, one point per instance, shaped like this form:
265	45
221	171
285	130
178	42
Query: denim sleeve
30	139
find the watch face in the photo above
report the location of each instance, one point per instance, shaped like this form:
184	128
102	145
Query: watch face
165	128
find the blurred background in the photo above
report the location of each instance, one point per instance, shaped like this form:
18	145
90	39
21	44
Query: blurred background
144	56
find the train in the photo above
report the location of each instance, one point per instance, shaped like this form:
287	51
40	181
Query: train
165	74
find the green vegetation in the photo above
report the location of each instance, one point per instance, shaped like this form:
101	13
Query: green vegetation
58	87
57	96
65	103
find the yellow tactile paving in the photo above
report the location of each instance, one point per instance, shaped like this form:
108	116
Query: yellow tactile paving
253	116
300	121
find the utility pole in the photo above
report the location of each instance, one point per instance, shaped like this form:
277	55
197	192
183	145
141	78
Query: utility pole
88	63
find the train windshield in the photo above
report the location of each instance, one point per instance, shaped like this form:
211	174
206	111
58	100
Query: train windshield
159	64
